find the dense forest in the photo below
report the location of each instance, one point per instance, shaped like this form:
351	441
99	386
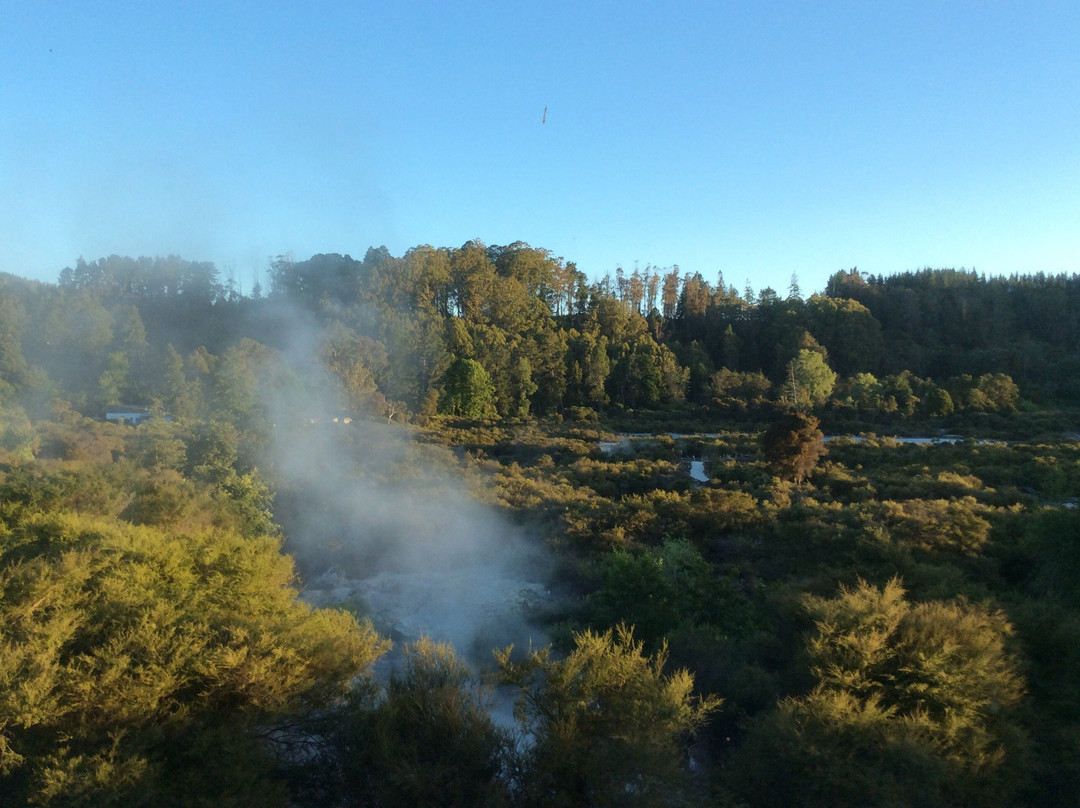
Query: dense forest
866	594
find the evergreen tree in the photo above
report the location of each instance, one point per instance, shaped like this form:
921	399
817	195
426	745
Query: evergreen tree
912	706
428	740
810	380
467	390
792	446
609	726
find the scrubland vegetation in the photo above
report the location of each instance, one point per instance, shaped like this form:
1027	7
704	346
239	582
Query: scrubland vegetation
835	617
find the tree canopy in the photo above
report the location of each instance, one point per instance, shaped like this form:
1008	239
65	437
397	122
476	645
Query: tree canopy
141	663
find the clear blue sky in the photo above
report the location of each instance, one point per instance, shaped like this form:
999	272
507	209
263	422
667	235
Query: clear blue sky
755	138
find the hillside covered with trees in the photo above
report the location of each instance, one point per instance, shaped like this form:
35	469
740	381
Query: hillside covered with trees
925	344
823	622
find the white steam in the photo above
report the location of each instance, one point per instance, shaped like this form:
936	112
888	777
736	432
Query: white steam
386	525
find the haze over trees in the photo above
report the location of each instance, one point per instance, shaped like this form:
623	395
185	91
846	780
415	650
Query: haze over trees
885	622
909	346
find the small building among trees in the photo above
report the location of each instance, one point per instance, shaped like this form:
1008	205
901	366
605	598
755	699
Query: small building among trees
125	414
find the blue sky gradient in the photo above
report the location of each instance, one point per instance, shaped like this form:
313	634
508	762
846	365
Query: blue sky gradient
756	139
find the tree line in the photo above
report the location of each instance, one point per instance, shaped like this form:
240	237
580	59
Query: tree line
515	331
